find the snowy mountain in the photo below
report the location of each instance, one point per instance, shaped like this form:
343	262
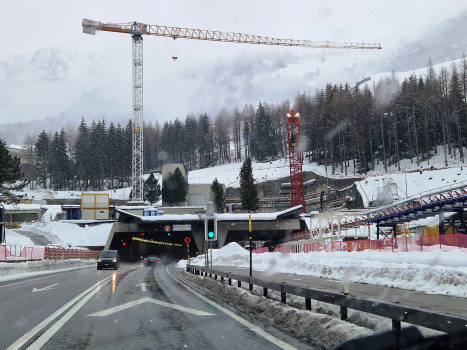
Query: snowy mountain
56	86
443	42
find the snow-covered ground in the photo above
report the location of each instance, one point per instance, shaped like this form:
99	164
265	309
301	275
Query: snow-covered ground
120	193
27	269
72	235
321	326
60	233
405	270
14	238
435	272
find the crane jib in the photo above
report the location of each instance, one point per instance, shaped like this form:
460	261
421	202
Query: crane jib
90	26
137	29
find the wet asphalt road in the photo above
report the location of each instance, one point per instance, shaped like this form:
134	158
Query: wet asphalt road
135	307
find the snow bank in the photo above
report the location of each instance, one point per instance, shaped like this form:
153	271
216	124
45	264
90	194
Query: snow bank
14	238
434	272
67	234
31	268
319	327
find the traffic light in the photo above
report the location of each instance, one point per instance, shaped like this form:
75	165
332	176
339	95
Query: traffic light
210	228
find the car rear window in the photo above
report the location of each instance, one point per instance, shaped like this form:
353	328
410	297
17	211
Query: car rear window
108	254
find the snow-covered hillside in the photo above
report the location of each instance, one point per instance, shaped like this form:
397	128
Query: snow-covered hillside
411	181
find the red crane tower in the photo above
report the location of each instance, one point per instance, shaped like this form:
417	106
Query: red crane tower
297	192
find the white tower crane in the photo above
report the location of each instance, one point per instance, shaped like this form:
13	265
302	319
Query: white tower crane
137	30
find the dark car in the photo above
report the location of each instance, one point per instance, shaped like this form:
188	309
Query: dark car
108	259
246	245
151	260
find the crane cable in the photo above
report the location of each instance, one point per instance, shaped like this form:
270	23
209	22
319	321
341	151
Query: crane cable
174	49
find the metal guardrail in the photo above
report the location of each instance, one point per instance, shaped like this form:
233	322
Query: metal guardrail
396	312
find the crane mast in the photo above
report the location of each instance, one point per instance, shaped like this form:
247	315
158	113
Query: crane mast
297	192
137	30
137	134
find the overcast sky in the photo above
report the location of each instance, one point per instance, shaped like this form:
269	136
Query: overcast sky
49	68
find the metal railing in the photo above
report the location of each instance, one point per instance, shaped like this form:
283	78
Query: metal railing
396	312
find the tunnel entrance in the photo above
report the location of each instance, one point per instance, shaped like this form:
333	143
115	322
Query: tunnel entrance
133	246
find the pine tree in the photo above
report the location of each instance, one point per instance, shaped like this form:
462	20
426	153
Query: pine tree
82	155
112	153
29	168
237	134
205	142
248	190
177	142
165	155
247	115
60	166
263	144
10	174
42	149
217	196
190	143
181	187
152	189
100	158
221	133
168	189
125	156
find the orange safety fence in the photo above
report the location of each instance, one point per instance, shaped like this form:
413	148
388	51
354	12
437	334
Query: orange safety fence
261	250
13	253
400	244
60	253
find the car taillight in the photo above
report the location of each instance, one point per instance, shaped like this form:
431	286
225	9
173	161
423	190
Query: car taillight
157	259
146	259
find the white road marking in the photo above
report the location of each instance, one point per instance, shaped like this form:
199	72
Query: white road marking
149	300
35	279
45	288
239	319
143	286
44	338
27	336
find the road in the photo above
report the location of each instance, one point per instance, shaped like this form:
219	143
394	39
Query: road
441	303
136	307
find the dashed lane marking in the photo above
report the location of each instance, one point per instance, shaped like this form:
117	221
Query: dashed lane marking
251	326
27	336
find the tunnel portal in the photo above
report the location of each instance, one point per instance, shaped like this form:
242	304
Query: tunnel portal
133	246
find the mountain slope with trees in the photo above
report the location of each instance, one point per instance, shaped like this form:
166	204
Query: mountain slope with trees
349	130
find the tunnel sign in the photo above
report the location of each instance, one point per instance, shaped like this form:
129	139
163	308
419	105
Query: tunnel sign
186	227
187	240
167	228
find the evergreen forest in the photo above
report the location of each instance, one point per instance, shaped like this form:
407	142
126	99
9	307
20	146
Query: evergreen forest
346	128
